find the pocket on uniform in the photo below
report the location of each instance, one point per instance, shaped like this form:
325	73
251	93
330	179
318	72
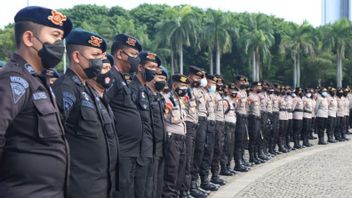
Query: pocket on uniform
48	125
89	123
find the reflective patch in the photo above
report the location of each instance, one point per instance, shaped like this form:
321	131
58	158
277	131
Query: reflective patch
87	102
18	87
69	99
76	80
40	95
29	68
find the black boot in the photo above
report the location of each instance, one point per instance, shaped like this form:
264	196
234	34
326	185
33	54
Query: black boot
195	192
238	162
331	138
206	185
321	137
217	180
297	144
225	171
252	158
262	155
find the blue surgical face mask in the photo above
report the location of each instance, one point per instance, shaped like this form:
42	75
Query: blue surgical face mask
212	89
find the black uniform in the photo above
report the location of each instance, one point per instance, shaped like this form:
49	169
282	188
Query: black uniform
144	161
91	136
129	131
33	150
155	185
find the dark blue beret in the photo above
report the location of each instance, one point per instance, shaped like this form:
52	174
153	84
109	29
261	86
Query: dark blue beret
196	71
46	17
149	56
128	41
79	36
211	77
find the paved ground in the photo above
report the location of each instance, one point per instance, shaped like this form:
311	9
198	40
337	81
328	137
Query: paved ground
319	171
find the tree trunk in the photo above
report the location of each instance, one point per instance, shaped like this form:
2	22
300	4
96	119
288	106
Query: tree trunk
294	71
257	66
218	54
254	67
172	63
339	69
298	71
180	52
211	61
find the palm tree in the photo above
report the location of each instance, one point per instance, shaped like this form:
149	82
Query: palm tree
216	35
338	37
298	42
256	40
178	30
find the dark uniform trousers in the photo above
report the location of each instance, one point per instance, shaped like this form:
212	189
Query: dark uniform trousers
190	141
175	158
199	147
254	133
340	128
218	147
289	133
331	127
297	130
154	186
34	155
241	136
275	130
262	143
307	128
208	151
283	132
229	144
321	126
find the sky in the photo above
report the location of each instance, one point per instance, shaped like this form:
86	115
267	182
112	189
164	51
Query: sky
291	10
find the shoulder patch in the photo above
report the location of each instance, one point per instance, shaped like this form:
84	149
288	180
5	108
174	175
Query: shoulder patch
18	87
40	95
68	99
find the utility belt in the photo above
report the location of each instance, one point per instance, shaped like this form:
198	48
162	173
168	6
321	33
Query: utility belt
241	116
202	118
298	110
254	116
176	137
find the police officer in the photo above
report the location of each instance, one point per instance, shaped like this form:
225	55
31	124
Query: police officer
175	155
273	93
254	123
198	84
221	105
340	119
146	71
210	136
283	121
33	150
191	126
322	114
307	116
346	110
265	107
155	186
332	101
241	131
87	121
289	113
125	50
230	94
297	116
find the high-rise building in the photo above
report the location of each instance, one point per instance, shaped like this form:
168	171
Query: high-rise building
333	10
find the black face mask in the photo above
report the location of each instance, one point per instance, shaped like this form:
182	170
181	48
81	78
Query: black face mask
220	88
159	85
51	54
149	74
181	92
270	92
339	94
243	86
94	69
301	94
133	61
105	80
332	94
196	84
